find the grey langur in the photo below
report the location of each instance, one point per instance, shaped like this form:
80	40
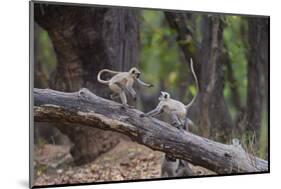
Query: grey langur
121	82
175	109
172	167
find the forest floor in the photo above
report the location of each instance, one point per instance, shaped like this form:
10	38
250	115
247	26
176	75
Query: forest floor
126	161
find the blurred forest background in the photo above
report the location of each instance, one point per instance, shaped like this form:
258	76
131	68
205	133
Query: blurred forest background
72	43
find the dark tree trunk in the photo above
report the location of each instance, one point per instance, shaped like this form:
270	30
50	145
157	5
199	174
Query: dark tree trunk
86	40
257	61
46	131
180	23
214	119
210	111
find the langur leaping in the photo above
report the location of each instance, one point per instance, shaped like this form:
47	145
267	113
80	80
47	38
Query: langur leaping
122	81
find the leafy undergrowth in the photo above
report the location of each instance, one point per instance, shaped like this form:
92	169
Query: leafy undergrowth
127	161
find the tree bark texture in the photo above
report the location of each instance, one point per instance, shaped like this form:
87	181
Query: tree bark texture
86	40
257	89
89	110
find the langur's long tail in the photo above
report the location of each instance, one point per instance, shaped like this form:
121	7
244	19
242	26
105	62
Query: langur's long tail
102	71
197	86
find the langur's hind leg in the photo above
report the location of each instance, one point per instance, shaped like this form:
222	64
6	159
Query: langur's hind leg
175	120
184	169
119	91
124	101
115	88
187	123
123	98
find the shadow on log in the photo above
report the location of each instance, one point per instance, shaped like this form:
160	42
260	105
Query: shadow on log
87	109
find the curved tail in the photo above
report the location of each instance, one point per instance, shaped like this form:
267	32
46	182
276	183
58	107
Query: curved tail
197	86
102	71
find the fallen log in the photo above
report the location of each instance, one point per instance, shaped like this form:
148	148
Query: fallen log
87	109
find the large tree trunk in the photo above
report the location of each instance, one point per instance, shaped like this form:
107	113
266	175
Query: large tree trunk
89	110
210	111
185	39
214	117
257	61
86	40
179	22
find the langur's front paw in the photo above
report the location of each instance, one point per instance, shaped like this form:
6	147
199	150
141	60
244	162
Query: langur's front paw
134	98
151	85
112	97
174	124
142	115
179	127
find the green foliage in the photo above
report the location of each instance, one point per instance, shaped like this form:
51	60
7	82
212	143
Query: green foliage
192	89
45	54
159	51
236	48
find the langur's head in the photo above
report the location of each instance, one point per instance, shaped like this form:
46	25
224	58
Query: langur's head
164	96
135	73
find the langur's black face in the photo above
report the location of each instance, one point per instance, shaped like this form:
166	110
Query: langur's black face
164	96
135	73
